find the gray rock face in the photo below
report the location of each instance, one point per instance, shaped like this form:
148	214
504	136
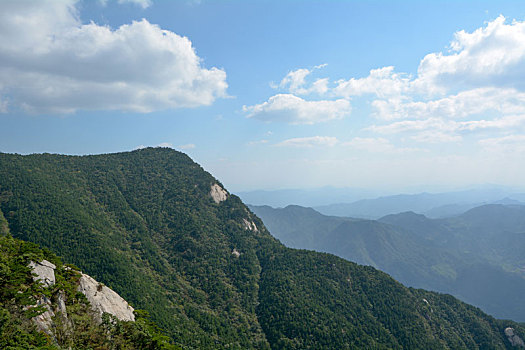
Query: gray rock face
103	299
513	338
45	272
44	321
249	225
218	193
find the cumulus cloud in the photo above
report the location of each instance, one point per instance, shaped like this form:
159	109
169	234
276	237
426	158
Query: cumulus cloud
295	82
295	110
51	62
482	75
294	79
493	55
381	82
326	141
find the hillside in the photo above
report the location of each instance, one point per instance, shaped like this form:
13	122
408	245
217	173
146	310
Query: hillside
45	304
165	235
476	257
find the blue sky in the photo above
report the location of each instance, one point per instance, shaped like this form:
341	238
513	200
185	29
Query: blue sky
275	94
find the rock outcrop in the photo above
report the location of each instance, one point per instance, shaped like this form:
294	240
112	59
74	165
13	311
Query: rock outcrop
101	298
218	193
513	338
104	299
249	225
44	271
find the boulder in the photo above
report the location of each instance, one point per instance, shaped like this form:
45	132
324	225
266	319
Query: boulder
104	299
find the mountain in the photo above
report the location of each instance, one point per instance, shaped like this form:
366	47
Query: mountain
433	205
476	257
305	197
164	234
493	232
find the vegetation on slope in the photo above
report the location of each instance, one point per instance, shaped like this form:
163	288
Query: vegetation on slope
144	223
476	256
78	327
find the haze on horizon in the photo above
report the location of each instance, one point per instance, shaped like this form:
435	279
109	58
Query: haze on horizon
271	95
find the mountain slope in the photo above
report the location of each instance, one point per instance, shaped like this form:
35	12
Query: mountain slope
163	233
42	306
476	257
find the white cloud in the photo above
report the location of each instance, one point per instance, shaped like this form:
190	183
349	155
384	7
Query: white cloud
441	125
490	56
313	141
258	142
482	76
186	146
506	145
142	3
436	137
295	110
294	79
50	62
381	82
376	145
464	104
295	82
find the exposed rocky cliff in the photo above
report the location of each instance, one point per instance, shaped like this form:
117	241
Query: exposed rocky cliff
104	299
47	305
101	299
218	193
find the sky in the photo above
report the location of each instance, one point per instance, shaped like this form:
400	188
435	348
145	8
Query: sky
274	94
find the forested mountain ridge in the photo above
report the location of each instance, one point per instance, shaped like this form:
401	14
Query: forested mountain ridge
146	224
477	256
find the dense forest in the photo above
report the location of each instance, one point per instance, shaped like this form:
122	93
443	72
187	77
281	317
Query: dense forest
206	269
477	256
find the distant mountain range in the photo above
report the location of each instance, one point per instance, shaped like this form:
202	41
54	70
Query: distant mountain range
306	197
431	205
164	234
365	204
477	256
